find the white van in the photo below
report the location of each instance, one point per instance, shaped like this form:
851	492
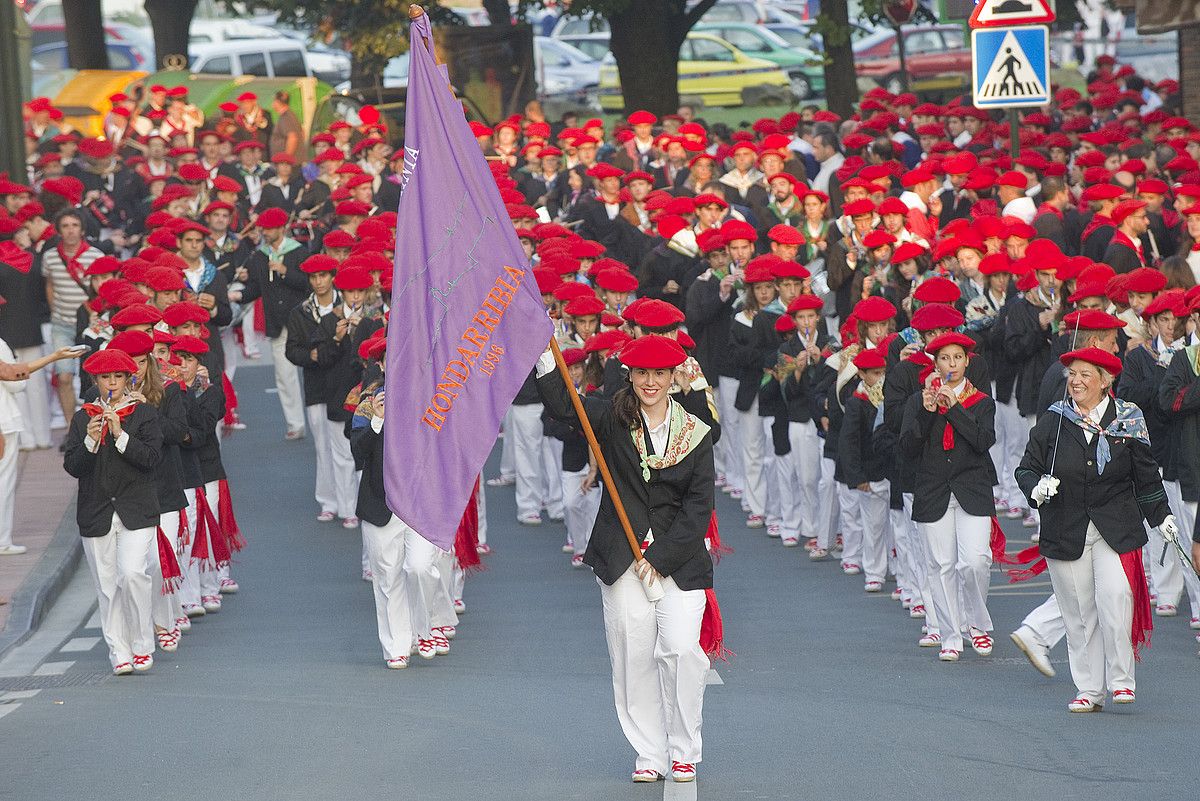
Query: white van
266	58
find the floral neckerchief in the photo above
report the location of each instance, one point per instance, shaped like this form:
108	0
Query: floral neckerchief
1129	423
684	433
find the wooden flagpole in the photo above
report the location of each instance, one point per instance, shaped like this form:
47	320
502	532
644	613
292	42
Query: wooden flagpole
590	435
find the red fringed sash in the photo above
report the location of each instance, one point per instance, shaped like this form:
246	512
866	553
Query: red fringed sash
94	409
228	523
206	527
172	576
713	538
1143	619
712	630
231	400
466	540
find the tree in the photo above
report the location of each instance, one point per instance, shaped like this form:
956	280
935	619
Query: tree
645	37
83	24
170	21
841	81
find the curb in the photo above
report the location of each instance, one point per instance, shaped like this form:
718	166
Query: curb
35	596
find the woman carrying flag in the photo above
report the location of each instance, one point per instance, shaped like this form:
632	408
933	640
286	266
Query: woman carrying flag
661	462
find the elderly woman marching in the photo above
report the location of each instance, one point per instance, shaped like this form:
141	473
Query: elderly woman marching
950	427
661	462
113	447
1089	471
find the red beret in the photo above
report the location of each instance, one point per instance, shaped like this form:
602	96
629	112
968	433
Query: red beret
652	352
104	265
937	290
995	263
337	238
784	324
789	269
1171	301
604	170
606	340
137	314
548	280
638	175
936	315
785	235
707	199
796	183
1100	358
1145	279
711	239
738	229
1014	179
189	344
135	343
574	355
858	207
870	359
950	338
917	176
272	218
615	279
803	302
1102	192
874	310
223	183
569	290
654	313
642	118
584	306
1091	320
906	251
185	311
192	172
878	239
892	205
109	360
319	263
585	249
352	208
165	279
1126	208
353	277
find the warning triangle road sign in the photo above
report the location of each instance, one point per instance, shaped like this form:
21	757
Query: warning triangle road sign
990	13
1010	75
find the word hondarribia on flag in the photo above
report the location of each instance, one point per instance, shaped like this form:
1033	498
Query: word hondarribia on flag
466	322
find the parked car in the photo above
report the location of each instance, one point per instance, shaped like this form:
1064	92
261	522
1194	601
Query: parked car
712	72
938	59
121	56
593	45
804	33
265	58
804	68
203	31
565	73
114	33
749	11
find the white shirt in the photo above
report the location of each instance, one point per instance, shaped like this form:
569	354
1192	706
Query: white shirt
1096	415
11	420
825	174
658	434
1022	208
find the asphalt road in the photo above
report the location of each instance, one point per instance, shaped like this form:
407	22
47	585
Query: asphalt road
283	694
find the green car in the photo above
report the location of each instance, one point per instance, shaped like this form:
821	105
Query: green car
805	69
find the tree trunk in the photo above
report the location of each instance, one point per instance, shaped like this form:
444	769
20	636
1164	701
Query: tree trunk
841	81
498	12
647	63
170	20
84	29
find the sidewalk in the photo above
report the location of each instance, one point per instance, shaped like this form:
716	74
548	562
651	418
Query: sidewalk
31	581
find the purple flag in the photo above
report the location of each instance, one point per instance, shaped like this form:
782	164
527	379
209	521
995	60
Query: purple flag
467	321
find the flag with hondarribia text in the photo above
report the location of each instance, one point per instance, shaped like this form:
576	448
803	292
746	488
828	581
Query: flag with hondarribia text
466	322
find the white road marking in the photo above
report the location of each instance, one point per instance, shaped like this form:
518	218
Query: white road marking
93	622
78	644
18	695
713	677
6	708
678	791
53	668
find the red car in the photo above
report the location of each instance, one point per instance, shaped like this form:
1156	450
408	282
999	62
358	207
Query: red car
938	59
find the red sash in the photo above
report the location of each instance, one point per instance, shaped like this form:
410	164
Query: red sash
466	539
172	576
94	409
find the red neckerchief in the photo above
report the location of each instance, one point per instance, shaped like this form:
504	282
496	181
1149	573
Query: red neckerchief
969	397
74	268
1097	221
14	256
1195	246
1170	218
1120	237
1046	208
94	409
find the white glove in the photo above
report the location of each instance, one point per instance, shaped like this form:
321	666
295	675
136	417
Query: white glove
1047	488
1169	529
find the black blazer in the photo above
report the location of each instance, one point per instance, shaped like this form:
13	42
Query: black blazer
859	459
1179	400
111	481
1116	501
966	470
676	503
205	410
279	295
367	447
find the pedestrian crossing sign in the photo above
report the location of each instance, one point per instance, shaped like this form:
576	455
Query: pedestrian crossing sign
1010	67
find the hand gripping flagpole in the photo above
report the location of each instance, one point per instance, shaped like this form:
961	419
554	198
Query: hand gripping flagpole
653	592
1066	391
